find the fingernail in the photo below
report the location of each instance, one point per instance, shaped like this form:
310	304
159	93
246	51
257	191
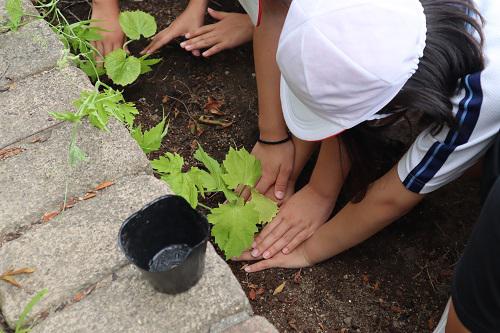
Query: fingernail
205	54
188	48
254	244
266	255
285	250
188	35
280	195
234	258
182	44
247	269
255	253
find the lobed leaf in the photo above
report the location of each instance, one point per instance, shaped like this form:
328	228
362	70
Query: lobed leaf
147	63
168	163
266	208
121	68
234	227
151	139
242	168
137	23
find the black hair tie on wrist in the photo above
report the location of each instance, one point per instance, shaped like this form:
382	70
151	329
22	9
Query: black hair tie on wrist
288	138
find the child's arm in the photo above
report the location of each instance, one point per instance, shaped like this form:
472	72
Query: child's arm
189	21
309	208
105	13
386	200
231	30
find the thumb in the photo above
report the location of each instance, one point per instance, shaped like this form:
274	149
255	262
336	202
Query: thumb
282	182
217	14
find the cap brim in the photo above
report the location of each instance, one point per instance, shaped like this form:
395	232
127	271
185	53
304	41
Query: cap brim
253	9
301	121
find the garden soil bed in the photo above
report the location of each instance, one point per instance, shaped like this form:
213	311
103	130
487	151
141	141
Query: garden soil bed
398	281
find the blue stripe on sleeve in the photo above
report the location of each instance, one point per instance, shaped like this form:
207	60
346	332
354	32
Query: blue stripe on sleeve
436	156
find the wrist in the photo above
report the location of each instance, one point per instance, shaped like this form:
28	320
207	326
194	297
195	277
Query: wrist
273	134
197	6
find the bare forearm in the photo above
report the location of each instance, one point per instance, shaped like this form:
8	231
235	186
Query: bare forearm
303	152
114	3
386	200
271	123
198	5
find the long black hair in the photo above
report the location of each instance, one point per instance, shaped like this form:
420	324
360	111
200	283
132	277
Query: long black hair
453	50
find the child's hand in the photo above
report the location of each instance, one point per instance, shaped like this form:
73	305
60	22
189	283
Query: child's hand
297	220
296	259
106	15
189	21
277	165
232	30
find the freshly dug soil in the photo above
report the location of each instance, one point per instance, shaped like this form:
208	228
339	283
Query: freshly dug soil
398	281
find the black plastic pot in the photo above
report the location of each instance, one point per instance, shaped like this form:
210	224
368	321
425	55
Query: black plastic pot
167	240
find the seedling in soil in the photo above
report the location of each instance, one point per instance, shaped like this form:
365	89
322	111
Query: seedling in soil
150	140
235	222
20	324
122	68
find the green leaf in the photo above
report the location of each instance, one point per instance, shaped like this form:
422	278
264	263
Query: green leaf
151	139
121	68
76	155
242	168
27	309
93	72
66	116
203	180
147	63
137	23
234	227
182	184
15	13
168	163
216	171
265	207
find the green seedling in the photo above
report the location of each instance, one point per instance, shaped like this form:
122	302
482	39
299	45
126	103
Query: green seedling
20	323
15	14
235	222
122	68
150	140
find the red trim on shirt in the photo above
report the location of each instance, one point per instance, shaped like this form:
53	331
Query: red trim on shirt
260	13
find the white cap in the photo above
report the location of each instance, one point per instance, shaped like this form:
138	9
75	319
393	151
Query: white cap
342	61
253	9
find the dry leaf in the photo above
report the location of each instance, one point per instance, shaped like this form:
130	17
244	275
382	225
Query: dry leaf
11	280
253	286
165	99
49	216
431	324
38	140
209	120
252	295
70	203
19	271
89	195
213	106
103	185
83	293
365	278
261	291
279	288
297	277
244	266
9	152
8	276
376	286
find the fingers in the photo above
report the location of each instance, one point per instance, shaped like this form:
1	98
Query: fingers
217	14
299	238
158	41
264	183
246	256
278	245
263	248
200	31
263	264
200	42
281	184
100	52
214	50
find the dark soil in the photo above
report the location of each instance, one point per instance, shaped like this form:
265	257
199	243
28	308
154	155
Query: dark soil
398	281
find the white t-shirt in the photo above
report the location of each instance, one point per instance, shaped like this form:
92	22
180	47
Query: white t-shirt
435	160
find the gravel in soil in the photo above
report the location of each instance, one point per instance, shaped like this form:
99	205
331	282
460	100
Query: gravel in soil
397	281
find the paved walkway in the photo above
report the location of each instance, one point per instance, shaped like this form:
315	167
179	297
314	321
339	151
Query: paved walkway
91	286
